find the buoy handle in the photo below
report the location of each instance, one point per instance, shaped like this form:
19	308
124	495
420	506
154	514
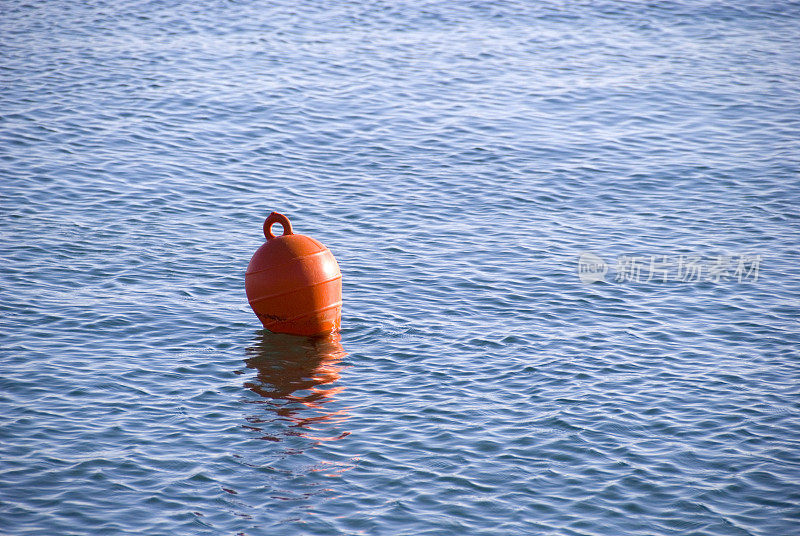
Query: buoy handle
276	217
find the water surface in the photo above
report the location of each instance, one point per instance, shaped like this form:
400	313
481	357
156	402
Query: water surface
457	158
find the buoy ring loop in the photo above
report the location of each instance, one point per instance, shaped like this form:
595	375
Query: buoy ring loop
273	218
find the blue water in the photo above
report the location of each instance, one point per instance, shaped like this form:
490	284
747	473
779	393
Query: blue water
458	158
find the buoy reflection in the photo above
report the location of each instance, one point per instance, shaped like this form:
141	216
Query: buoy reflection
297	378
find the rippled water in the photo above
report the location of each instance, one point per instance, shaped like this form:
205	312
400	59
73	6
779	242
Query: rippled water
457	158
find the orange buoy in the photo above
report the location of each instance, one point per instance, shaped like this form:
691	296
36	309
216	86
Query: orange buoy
293	283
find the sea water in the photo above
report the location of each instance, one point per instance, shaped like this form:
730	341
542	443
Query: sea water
569	239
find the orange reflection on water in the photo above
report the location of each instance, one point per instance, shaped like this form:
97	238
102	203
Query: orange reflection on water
296	376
